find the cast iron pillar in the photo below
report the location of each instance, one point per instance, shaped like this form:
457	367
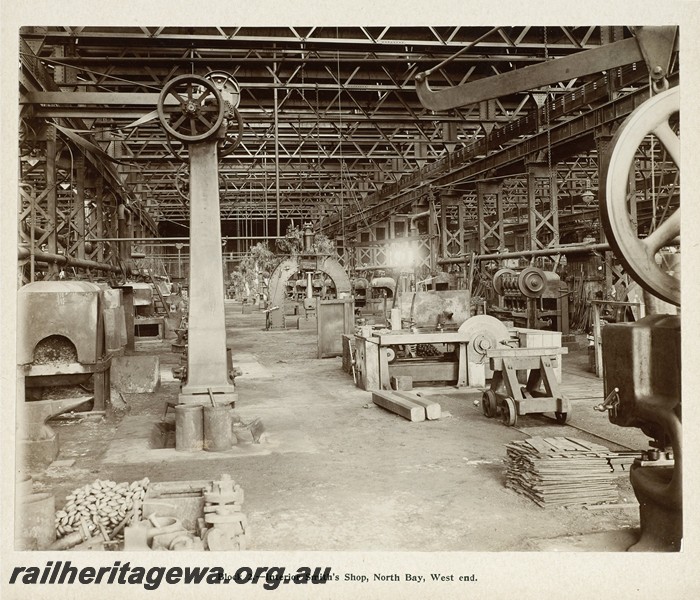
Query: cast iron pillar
207	364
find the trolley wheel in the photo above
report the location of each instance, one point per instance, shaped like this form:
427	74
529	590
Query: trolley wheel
561	417
508	413
489	404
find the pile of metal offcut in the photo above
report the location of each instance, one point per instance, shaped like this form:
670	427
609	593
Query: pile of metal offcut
102	504
423	350
54	350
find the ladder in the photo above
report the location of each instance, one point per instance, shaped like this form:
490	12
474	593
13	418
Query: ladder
158	300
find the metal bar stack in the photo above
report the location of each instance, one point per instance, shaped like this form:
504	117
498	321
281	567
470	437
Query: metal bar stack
564	471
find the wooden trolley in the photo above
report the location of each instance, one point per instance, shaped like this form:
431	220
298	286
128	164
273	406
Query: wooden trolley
509	398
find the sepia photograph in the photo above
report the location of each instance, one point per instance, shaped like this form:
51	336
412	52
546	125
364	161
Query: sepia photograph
322	300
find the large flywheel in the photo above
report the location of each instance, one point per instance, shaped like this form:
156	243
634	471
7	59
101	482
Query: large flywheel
190	108
640	256
231	95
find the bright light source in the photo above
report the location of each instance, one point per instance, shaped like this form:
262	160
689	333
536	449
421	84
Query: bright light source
401	254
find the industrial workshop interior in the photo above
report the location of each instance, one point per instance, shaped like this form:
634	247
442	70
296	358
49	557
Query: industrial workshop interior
348	288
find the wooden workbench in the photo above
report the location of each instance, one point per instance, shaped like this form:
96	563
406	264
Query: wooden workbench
374	369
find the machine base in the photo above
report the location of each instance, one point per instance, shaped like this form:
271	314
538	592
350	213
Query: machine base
220	399
39	454
661	524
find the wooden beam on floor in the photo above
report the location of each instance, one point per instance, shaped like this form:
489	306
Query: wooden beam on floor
398	405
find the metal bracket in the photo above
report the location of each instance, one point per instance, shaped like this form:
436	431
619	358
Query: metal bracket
611	401
654	45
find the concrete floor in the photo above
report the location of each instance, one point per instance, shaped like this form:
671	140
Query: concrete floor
335	472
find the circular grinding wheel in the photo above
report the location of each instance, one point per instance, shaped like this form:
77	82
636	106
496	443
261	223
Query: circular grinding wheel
484	333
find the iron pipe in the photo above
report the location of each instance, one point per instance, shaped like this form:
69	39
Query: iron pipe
67	261
540	252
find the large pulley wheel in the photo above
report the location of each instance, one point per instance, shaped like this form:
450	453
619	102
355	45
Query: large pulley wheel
231	95
190	108
639	255
532	282
228	87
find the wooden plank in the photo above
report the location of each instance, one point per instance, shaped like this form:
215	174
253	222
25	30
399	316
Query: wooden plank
526	352
390	339
432	408
563	444
615	505
560	471
400	406
370	368
538	444
538	404
402	383
428	371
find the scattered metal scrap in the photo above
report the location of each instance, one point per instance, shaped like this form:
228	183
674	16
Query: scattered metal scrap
203	515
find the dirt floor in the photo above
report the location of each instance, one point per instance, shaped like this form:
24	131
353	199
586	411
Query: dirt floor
335	472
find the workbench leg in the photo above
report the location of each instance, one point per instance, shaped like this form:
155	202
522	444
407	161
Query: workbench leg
476	375
371	366
510	378
549	378
462	380
384	368
497	382
534	380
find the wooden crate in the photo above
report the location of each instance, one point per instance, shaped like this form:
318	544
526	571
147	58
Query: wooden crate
539	338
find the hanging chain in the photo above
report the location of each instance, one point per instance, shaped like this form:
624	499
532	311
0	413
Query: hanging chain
546	112
552	175
301	108
318	133
340	141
